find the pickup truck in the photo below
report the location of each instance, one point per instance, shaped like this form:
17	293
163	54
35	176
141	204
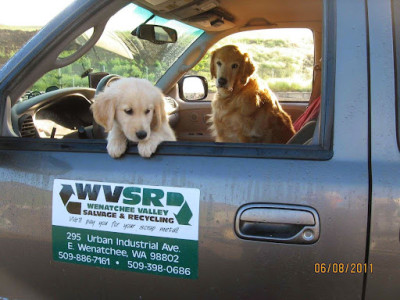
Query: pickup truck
200	219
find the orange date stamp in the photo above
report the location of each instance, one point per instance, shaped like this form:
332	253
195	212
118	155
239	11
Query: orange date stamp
343	268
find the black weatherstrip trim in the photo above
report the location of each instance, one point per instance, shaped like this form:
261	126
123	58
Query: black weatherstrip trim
328	75
174	148
368	237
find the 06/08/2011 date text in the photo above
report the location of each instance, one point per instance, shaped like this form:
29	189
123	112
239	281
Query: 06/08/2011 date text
342	268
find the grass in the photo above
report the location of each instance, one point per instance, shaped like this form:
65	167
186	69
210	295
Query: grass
21	28
287	85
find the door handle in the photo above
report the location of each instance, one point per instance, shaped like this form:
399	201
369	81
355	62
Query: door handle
291	224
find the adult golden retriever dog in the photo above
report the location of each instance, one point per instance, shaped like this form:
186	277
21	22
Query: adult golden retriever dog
133	109
242	112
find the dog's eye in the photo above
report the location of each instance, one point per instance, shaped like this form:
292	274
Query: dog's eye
128	111
147	111
234	66
219	63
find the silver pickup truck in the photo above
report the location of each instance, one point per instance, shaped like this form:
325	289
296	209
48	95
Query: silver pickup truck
318	218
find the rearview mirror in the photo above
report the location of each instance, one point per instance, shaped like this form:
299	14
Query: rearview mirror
155	33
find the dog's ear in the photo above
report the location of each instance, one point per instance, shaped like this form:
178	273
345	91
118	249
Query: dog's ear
212	65
103	109
159	116
248	68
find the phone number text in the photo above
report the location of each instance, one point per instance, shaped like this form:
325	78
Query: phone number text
90	259
159	268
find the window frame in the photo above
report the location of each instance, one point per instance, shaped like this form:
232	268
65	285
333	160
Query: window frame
322	151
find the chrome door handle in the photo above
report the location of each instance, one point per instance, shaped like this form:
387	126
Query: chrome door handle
292	224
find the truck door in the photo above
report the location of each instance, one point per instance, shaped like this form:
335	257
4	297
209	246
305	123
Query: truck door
198	220
384	41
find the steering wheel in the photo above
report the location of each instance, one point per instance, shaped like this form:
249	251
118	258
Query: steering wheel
105	81
98	131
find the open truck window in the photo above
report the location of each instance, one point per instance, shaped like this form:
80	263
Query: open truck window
56	106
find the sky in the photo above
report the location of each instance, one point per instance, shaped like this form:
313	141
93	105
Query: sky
30	12
40	12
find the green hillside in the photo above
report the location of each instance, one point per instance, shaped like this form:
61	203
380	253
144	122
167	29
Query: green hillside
12	38
283	64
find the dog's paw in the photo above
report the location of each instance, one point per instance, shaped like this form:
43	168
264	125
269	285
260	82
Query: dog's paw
116	149
146	149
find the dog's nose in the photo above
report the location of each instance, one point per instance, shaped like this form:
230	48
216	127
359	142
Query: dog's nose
222	81
141	134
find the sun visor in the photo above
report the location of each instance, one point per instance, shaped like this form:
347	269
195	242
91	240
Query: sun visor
206	15
186	8
210	21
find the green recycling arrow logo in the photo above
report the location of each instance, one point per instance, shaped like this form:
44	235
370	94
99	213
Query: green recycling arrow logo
185	214
66	193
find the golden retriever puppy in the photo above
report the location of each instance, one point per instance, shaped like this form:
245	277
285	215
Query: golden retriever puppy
133	109
242	112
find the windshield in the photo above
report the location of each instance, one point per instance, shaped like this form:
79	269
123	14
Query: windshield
119	52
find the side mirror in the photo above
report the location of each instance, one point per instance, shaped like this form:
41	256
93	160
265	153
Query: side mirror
193	88
155	33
